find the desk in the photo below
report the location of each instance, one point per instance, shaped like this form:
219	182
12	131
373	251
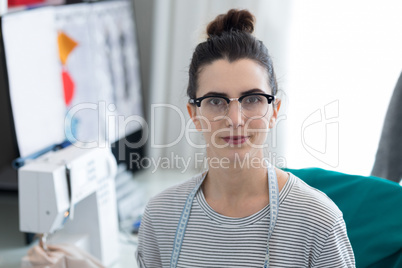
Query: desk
12	244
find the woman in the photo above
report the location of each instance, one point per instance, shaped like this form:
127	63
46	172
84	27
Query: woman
242	212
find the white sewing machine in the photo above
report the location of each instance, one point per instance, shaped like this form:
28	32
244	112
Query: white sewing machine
70	195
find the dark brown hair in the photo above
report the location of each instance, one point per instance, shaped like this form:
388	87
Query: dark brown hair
230	37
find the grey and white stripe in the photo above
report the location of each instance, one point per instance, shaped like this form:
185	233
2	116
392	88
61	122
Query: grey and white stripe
310	232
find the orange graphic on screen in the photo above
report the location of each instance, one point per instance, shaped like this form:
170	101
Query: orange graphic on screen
66	46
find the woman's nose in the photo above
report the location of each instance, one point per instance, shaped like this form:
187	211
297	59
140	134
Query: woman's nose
234	115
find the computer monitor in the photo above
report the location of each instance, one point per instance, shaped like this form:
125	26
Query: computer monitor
70	72
8	143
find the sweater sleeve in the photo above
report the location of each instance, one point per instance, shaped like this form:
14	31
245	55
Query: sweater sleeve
337	251
147	254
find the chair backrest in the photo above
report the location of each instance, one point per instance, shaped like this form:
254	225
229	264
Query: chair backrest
372	209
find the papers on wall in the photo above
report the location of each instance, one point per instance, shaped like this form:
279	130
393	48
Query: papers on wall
73	71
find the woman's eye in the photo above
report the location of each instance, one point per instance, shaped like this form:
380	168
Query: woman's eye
215	101
253	99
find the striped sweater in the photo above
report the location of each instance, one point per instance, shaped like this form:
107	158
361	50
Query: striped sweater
310	232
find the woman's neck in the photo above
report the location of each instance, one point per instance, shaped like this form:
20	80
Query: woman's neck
236	182
236	192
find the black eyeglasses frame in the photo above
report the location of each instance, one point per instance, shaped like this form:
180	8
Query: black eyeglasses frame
197	101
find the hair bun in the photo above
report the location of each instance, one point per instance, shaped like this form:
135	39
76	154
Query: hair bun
240	20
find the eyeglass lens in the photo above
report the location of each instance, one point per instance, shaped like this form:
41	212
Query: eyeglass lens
253	106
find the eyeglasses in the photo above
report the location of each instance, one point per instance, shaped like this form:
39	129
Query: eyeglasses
253	105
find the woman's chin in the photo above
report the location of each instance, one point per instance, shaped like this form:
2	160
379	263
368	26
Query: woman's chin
229	157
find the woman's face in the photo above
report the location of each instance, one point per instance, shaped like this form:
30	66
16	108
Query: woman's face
235	135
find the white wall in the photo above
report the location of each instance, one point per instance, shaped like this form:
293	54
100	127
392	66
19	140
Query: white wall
346	56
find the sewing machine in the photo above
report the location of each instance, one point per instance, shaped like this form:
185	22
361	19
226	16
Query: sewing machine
70	195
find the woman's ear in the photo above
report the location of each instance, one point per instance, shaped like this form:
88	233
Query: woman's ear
276	106
191	109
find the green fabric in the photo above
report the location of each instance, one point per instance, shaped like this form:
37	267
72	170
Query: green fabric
372	209
395	260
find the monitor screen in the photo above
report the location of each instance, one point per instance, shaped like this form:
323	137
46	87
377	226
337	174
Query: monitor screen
73	73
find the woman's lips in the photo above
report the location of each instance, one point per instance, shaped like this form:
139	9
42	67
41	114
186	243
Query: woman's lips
235	139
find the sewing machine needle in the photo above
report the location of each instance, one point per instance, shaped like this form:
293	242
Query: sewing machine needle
43	242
